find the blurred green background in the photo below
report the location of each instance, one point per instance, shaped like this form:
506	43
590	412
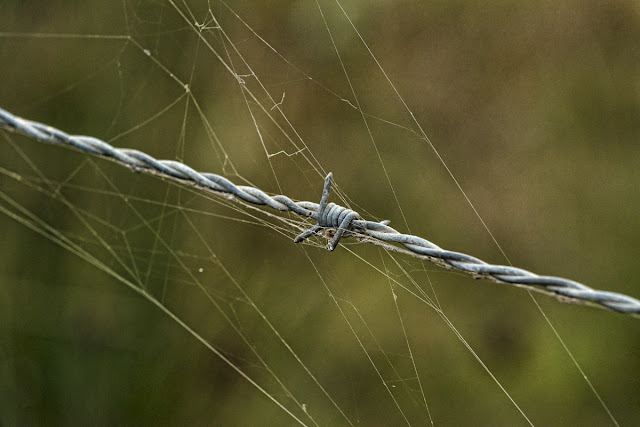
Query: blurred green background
535	108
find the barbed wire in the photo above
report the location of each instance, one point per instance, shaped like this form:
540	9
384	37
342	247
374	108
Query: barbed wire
329	216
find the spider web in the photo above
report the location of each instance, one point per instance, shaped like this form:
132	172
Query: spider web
518	102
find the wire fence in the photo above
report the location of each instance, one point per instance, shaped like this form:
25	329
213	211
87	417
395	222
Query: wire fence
345	222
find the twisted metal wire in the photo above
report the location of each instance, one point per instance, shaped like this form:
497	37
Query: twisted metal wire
328	216
331	216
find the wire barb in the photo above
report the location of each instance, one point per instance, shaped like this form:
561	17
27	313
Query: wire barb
328	215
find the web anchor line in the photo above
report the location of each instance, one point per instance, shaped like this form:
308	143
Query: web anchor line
328	216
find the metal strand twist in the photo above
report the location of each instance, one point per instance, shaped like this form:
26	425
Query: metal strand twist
330	216
327	215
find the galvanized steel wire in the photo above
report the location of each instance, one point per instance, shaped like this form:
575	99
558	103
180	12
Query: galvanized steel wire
328	216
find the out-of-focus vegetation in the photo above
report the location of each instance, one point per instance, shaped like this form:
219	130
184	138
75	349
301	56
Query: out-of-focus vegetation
535	108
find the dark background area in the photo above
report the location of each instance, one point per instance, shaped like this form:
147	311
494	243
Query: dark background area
535	108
